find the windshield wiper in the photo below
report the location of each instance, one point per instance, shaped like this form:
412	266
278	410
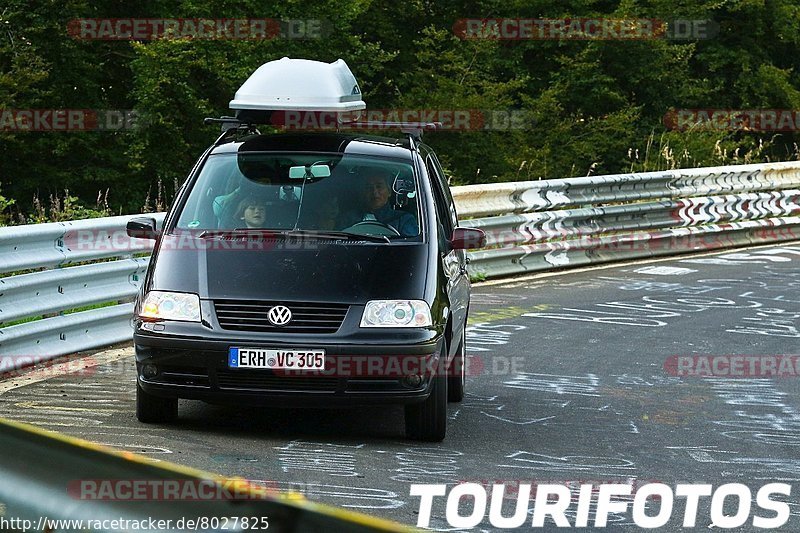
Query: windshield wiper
238	232
330	234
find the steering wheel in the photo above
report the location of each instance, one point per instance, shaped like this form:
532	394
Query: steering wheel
379	228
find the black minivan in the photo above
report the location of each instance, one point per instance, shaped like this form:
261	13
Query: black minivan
313	268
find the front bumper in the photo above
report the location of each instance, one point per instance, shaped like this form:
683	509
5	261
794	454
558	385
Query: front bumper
192	362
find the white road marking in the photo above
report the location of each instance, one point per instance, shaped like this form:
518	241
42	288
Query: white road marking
62	369
664	270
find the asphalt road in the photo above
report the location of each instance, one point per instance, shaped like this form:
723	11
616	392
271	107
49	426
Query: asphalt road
572	381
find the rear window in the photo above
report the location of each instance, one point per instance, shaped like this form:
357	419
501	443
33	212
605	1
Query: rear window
311	192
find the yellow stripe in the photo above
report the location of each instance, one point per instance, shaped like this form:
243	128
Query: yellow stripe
292	499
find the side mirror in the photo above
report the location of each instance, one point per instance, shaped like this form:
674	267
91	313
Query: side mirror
468	239
142	228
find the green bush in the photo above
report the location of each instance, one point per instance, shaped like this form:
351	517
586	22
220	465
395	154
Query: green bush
594	107
66	207
4	205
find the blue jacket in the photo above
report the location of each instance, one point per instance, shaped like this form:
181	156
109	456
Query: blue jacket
404	222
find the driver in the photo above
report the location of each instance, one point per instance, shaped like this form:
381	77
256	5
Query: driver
374	194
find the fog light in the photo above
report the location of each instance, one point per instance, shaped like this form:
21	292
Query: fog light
149	370
412	381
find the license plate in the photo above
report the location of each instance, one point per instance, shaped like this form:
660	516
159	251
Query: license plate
289	359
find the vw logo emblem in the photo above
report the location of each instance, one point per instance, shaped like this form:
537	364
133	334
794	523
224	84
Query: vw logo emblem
280	315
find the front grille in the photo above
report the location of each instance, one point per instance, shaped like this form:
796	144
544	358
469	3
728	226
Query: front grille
243	379
251	315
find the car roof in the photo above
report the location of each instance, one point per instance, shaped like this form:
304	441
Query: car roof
343	143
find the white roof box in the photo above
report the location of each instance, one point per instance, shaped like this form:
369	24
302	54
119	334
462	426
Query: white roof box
301	85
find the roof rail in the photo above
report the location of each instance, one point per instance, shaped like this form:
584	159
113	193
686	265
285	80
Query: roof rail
226	123
230	127
413	129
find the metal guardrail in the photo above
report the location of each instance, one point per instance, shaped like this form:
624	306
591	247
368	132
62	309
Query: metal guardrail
58	276
526	196
50	291
56	244
47	479
544	225
531	226
609	248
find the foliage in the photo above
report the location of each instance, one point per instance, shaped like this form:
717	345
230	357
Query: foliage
4	205
68	207
592	107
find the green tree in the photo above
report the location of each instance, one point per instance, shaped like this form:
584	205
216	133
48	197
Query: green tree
588	107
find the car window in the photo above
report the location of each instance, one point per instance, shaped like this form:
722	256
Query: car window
446	189
442	211
310	192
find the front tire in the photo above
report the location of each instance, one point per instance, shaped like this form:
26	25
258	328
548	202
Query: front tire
457	373
151	409
427	421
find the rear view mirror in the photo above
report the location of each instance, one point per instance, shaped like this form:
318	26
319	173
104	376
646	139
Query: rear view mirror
401	185
468	239
309	171
142	228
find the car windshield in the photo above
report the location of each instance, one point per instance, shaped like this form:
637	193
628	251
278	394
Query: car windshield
322	193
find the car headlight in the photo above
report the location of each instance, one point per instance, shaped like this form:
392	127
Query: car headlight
160	305
396	314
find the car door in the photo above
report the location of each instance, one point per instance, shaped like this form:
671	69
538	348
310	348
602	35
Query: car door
453	261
